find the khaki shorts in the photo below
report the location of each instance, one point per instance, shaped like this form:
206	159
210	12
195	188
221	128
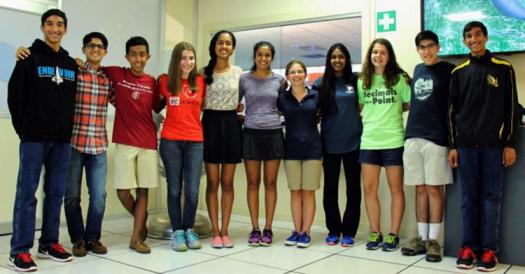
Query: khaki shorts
303	174
135	167
426	163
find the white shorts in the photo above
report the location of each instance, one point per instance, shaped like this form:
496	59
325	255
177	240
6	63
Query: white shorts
135	167
426	163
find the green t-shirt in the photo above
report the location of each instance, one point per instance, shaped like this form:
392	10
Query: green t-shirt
383	113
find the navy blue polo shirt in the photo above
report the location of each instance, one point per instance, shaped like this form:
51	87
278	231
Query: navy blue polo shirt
302	141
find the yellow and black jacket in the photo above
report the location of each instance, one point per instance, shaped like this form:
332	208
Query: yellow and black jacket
482	103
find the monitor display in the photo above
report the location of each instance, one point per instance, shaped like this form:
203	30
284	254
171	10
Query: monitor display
505	21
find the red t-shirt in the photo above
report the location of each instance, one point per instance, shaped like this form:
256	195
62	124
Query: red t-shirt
135	98
183	121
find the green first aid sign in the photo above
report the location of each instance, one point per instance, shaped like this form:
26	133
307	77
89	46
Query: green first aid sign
386	21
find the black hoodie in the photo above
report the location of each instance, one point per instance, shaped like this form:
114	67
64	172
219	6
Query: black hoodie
41	101
483	103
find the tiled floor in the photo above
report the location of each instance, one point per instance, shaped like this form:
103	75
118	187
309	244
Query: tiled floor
241	259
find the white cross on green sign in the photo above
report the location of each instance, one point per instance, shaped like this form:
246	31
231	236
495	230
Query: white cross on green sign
386	21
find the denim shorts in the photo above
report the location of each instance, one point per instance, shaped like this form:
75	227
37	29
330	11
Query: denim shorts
382	157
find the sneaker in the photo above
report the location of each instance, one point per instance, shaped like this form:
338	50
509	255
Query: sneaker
331	239
466	257
292	240
414	247
216	242
22	262
433	251
254	238
54	252
267	237
96	247
391	242
304	240
79	249
140	247
488	261
226	242
347	241
178	241
192	239
375	240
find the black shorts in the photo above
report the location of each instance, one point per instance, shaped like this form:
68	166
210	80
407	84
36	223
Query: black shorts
382	157
222	136
263	144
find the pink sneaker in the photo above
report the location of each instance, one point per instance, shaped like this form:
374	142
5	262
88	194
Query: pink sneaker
216	242
226	242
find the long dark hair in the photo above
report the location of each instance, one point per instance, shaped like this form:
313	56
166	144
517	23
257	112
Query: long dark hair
256	47
327	103
392	69
175	71
208	70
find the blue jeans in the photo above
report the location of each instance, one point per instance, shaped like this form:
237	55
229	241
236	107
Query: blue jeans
96	170
55	157
182	159
481	179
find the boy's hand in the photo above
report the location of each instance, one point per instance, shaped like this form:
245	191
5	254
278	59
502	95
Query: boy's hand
22	53
453	158
509	156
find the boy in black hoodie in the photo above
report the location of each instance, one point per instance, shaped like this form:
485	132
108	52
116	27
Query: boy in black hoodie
482	122
41	98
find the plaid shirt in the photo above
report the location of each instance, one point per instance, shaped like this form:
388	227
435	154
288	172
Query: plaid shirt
91	107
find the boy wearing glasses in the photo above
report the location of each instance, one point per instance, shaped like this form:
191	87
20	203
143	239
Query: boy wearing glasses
425	155
88	149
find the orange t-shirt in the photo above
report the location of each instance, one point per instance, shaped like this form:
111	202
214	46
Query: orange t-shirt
183	115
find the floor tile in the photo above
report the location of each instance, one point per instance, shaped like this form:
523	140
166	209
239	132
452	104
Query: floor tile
338	264
279	256
4	269
122	225
225	265
162	259
516	270
420	270
98	266
449	264
395	256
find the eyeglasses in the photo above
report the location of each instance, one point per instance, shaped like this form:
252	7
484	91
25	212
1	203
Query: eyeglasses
94	46
429	46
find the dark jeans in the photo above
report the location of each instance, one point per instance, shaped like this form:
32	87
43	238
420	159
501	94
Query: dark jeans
55	157
481	176
352	214
96	170
182	159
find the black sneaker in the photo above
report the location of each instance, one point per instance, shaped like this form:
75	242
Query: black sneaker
488	261
391	242
22	262
466	257
54	252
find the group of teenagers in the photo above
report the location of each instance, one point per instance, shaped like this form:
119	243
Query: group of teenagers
460	116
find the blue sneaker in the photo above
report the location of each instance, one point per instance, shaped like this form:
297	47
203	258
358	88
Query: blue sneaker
292	240
331	239
304	240
178	241
391	242
347	241
192	239
375	240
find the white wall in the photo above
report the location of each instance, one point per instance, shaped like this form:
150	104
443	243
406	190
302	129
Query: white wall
118	20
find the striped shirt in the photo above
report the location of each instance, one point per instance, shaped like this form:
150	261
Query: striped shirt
91	107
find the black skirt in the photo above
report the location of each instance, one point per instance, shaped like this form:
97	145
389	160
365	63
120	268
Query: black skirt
222	136
263	144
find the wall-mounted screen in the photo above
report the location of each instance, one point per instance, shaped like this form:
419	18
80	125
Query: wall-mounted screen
505	21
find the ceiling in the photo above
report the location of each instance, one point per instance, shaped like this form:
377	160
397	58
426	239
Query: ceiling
307	42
